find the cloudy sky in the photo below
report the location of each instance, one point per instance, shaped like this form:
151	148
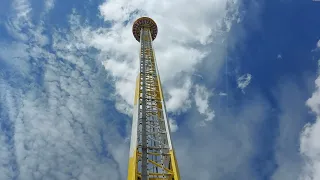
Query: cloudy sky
240	77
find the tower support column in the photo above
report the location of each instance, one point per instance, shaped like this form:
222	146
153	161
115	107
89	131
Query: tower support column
152	155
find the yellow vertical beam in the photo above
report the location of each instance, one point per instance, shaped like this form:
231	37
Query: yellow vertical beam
133	161
132	168
174	165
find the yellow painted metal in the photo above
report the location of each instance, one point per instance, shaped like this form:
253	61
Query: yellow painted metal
159	174
136	96
132	167
174	165
159	165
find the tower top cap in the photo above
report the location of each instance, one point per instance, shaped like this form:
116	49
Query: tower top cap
144	22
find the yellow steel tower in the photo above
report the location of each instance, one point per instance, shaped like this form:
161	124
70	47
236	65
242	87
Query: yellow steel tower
152	155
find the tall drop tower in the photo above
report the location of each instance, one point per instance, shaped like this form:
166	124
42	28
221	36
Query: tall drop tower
152	156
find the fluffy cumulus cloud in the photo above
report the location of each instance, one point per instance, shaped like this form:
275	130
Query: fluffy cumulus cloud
202	102
179	97
309	142
310	146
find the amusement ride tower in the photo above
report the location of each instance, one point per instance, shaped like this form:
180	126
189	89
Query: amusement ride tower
152	156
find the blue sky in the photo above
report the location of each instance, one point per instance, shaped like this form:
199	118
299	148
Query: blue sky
240	80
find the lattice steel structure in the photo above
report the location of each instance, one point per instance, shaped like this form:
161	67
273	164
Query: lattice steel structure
152	155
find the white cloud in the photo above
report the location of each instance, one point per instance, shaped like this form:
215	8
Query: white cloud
23	9
223	94
290	122
202	102
310	146
49	4
223	148
309	143
56	105
7	153
243	81
57	128
313	102
173	125
21	27
179	97
21	19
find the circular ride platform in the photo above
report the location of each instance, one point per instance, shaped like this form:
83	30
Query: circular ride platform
144	22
